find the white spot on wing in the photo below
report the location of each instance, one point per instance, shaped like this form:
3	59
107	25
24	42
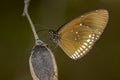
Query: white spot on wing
81	24
85	43
77	54
96	10
82	16
81	54
86	49
72	57
81	49
90	36
93	34
88	40
92	40
78	50
76	32
97	36
89	46
83	46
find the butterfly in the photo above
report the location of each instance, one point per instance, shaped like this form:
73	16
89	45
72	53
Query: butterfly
77	37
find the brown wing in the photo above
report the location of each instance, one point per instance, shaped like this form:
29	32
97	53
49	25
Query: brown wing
79	35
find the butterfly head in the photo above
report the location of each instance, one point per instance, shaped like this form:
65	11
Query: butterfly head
54	35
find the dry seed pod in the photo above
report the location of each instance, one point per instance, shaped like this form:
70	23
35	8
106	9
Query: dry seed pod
42	63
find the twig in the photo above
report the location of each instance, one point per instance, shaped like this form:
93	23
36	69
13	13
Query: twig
25	12
42	62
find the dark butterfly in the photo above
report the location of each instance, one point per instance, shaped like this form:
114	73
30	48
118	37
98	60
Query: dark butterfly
78	36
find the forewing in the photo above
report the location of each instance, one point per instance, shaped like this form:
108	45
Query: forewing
79	35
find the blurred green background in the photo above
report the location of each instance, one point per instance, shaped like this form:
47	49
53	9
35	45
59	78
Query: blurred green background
16	39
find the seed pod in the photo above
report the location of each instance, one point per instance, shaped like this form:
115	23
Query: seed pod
42	63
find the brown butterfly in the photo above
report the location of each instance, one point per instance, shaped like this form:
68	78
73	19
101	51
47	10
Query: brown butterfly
77	37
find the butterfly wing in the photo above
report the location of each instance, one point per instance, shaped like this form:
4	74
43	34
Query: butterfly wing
79	35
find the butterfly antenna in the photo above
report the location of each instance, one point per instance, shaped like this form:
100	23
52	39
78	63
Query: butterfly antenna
41	30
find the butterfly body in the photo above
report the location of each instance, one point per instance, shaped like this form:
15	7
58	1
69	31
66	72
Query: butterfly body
78	36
